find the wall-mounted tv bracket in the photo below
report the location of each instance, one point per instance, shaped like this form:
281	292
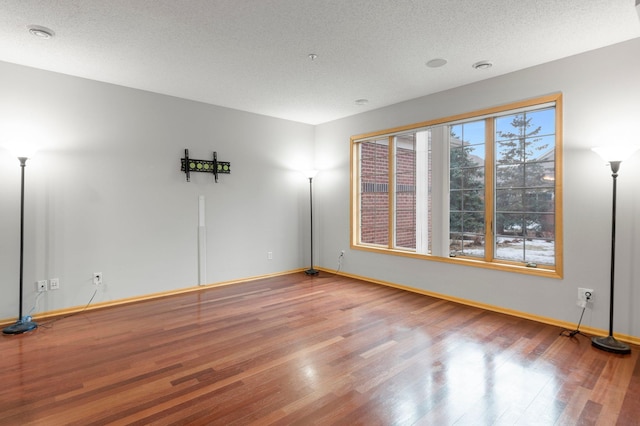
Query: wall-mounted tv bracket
214	166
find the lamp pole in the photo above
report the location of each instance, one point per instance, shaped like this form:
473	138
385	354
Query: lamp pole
310	174
23	324
614	155
610	343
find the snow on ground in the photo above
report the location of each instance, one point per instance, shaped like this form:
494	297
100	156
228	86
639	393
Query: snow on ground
520	250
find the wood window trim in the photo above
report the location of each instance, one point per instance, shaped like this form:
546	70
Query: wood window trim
555	271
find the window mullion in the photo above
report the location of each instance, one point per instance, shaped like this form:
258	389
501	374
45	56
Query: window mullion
422	192
391	188
489	191
440	191
356	188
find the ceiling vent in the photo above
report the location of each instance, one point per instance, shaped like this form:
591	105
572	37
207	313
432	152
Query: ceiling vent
40	32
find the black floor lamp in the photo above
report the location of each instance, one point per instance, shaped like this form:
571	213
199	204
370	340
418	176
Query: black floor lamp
311	174
614	156
23	324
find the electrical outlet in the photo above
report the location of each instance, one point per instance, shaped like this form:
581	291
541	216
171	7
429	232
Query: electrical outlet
41	285
97	278
270	255
54	284
341	253
585	294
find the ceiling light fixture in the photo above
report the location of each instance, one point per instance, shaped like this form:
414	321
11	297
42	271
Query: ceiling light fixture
41	32
437	63
361	101
482	65
312	56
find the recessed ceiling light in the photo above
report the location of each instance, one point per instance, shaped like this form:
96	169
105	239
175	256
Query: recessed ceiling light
437	63
41	32
361	101
482	65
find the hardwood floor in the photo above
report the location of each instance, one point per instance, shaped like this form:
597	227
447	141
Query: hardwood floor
310	351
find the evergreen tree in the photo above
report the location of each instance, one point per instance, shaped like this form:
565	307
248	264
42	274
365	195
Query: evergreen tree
466	190
518	174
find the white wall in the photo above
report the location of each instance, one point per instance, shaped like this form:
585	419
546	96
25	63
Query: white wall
601	92
106	193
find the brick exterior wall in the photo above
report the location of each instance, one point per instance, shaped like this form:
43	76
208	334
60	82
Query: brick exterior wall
374	195
405	225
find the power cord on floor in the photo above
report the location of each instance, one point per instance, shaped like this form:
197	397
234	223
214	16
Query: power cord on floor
572	333
49	324
340	257
35	303
337	271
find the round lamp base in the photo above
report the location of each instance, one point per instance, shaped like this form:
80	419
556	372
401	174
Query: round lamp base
610	344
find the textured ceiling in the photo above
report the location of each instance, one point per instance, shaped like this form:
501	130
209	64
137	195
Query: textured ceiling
252	55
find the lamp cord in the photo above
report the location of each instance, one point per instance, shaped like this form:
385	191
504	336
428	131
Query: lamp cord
577	330
49	324
35	303
572	333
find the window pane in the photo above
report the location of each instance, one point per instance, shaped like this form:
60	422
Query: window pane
509	224
405	220
540	200
455	222
473	133
510	176
473	201
508	200
467	238
549	177
455	174
405	230
539	251
544	119
374	192
508	151
510	249
405	191
525	187
455	200
473	178
476	154
548	226
538	174
540	148
466	191
507	127
473	222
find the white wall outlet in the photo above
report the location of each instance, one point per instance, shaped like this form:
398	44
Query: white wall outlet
585	294
54	284
270	255
97	278
41	285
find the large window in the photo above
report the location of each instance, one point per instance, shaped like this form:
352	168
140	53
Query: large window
481	188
